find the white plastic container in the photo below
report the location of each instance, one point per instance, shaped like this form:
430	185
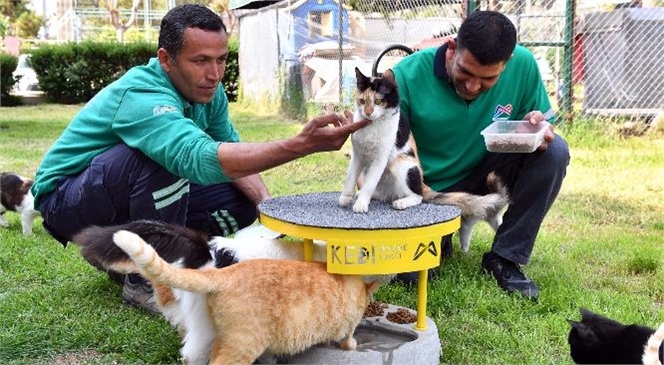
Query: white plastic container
514	136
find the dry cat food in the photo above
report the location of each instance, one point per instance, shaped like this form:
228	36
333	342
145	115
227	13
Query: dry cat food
402	316
375	309
509	136
508	146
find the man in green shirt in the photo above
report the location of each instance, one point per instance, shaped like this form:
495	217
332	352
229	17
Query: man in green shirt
158	144
450	94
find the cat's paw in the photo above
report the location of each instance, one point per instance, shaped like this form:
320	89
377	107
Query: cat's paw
345	200
4	222
348	344
361	206
407	202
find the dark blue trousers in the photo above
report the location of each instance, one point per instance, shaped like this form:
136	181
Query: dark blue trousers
533	181
123	185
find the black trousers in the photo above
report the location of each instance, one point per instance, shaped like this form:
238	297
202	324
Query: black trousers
123	185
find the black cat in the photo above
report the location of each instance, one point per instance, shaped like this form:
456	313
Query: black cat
600	340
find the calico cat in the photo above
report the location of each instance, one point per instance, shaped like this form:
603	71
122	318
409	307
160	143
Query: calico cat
185	310
15	196
280	307
600	340
384	154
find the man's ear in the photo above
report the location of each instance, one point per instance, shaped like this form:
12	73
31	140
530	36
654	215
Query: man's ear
451	49
164	59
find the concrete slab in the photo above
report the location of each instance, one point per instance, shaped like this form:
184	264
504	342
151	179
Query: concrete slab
380	341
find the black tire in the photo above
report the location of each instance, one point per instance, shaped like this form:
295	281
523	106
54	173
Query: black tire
394	48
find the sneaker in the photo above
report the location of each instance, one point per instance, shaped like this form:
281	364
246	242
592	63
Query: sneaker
116	277
509	276
137	292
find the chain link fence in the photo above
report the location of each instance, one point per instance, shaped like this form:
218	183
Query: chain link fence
597	58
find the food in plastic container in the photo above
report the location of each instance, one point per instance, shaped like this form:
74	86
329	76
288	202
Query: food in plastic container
514	136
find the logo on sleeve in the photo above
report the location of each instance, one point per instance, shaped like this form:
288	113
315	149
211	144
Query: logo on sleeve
162	109
502	111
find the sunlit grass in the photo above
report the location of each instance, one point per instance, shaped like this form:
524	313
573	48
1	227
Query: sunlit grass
600	247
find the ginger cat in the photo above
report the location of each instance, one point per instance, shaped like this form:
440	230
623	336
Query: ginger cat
278	307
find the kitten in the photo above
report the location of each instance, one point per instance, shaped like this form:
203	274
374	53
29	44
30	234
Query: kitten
600	340
384	154
280	307
15	196
185	310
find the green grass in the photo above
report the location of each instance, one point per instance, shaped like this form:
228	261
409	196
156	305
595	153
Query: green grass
600	247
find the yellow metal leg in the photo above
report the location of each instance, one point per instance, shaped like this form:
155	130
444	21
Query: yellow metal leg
421	324
308	250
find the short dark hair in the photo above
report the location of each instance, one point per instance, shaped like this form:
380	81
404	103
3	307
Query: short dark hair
488	35
178	19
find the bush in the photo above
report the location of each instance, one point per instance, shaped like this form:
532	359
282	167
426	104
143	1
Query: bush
8	65
75	72
232	74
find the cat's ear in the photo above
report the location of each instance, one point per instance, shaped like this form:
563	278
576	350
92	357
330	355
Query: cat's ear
573	323
585	332
586	314
363	82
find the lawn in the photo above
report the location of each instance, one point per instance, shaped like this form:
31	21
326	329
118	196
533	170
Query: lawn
600	247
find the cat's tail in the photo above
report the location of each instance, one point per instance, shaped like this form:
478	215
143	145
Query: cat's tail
652	348
483	207
155	269
172	242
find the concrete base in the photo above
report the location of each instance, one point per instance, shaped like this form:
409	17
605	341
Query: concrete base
380	341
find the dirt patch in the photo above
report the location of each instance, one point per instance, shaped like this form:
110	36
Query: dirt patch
77	358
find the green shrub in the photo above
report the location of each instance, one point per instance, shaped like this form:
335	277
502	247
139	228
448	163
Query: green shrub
8	65
232	74
74	72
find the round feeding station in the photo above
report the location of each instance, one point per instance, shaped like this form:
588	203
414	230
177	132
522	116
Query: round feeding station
381	241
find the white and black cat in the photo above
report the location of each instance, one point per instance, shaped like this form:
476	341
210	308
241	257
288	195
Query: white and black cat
599	340
187	248
15	196
384	159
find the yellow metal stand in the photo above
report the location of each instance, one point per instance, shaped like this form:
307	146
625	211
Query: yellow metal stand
376	251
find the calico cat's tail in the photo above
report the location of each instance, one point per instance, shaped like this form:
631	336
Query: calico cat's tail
652	348
484	207
171	241
155	269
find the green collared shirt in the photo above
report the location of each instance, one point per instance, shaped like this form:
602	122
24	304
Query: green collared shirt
446	128
143	110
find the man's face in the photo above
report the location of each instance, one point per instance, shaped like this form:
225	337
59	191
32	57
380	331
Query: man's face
197	70
469	77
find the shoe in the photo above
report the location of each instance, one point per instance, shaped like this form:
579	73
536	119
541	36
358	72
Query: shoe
137	292
116	277
509	276
411	278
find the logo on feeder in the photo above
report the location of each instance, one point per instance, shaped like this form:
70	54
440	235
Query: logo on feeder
366	254
422	249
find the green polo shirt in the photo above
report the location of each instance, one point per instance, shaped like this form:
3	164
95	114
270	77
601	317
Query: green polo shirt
145	111
446	127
